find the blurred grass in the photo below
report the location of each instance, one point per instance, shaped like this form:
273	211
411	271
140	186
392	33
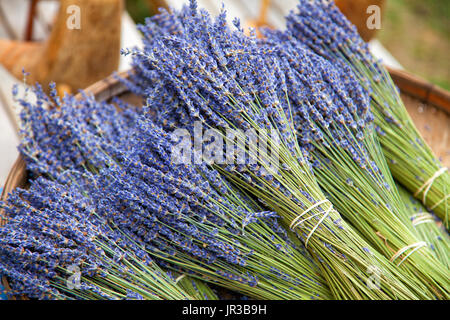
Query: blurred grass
138	9
417	33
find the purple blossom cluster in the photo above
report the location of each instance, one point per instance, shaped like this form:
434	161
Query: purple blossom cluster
278	82
187	217
321	99
52	230
203	70
320	26
196	68
60	134
190	211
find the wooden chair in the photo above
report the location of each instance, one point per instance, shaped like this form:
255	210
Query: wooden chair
73	58
261	20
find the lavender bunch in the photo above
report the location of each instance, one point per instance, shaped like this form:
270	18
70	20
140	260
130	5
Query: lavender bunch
61	138
428	226
338	133
61	134
228	81
190	218
200	226
54	246
321	26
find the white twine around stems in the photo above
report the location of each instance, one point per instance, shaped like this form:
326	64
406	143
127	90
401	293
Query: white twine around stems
427	185
296	222
415	246
421	217
179	278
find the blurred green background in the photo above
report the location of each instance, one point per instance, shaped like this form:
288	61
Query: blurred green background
416	32
139	9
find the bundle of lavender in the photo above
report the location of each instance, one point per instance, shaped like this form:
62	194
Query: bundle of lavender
185	216
321	26
205	226
339	135
429	227
195	69
56	134
54	246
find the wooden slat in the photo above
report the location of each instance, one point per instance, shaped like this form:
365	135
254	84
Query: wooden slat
421	89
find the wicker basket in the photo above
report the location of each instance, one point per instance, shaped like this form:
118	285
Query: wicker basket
428	105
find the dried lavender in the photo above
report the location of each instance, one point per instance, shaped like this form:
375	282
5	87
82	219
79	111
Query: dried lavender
70	134
226	80
53	246
197	222
190	220
57	135
321	26
196	288
428	225
340	137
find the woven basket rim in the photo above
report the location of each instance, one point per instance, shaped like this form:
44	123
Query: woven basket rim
421	89
111	86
